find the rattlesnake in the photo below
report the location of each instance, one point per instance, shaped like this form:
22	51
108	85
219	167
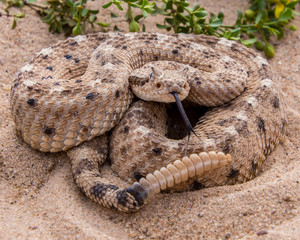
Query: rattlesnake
78	89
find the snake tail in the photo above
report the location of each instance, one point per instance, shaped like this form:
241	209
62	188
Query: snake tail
180	171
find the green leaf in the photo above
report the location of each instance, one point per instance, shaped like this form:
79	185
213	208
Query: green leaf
181	18
116	28
103	24
221	15
216	23
200	14
249	42
93	11
159	26
107	5
286	15
159	11
183	30
92	18
169	20
84	12
227	34
15	21
112	15
52	27
235	30
71	22
281	33
261	4
258	17
138	17
76	4
69	3
251	30
239	18
292	4
272	30
213	17
59	27
118	6
48	18
20	15
264	15
169	4
234	38
145	14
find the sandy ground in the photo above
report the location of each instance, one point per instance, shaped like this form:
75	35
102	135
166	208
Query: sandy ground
39	200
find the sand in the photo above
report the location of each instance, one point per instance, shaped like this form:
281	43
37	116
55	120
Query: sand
39	199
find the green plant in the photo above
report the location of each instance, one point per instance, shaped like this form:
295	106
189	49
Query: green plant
61	15
255	25
145	7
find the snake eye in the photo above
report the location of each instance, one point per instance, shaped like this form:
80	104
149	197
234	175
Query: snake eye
158	85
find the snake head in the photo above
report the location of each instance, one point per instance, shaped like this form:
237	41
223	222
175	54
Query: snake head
157	81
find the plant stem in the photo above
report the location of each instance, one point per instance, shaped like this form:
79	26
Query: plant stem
262	36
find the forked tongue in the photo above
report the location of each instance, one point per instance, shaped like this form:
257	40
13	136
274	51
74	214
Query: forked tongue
185	118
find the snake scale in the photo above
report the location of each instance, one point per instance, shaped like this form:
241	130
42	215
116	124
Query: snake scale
70	95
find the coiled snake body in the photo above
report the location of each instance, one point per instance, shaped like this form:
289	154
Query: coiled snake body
77	90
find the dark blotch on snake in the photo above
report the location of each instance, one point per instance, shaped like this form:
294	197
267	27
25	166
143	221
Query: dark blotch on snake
197	185
175	51
254	166
137	196
261	124
138	176
157	150
49	131
68	57
78	81
276	102
226	148
76	60
122	197
117	94
233	173
84	164
283	126
31	102
49	68
100	189
90	96
126	129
